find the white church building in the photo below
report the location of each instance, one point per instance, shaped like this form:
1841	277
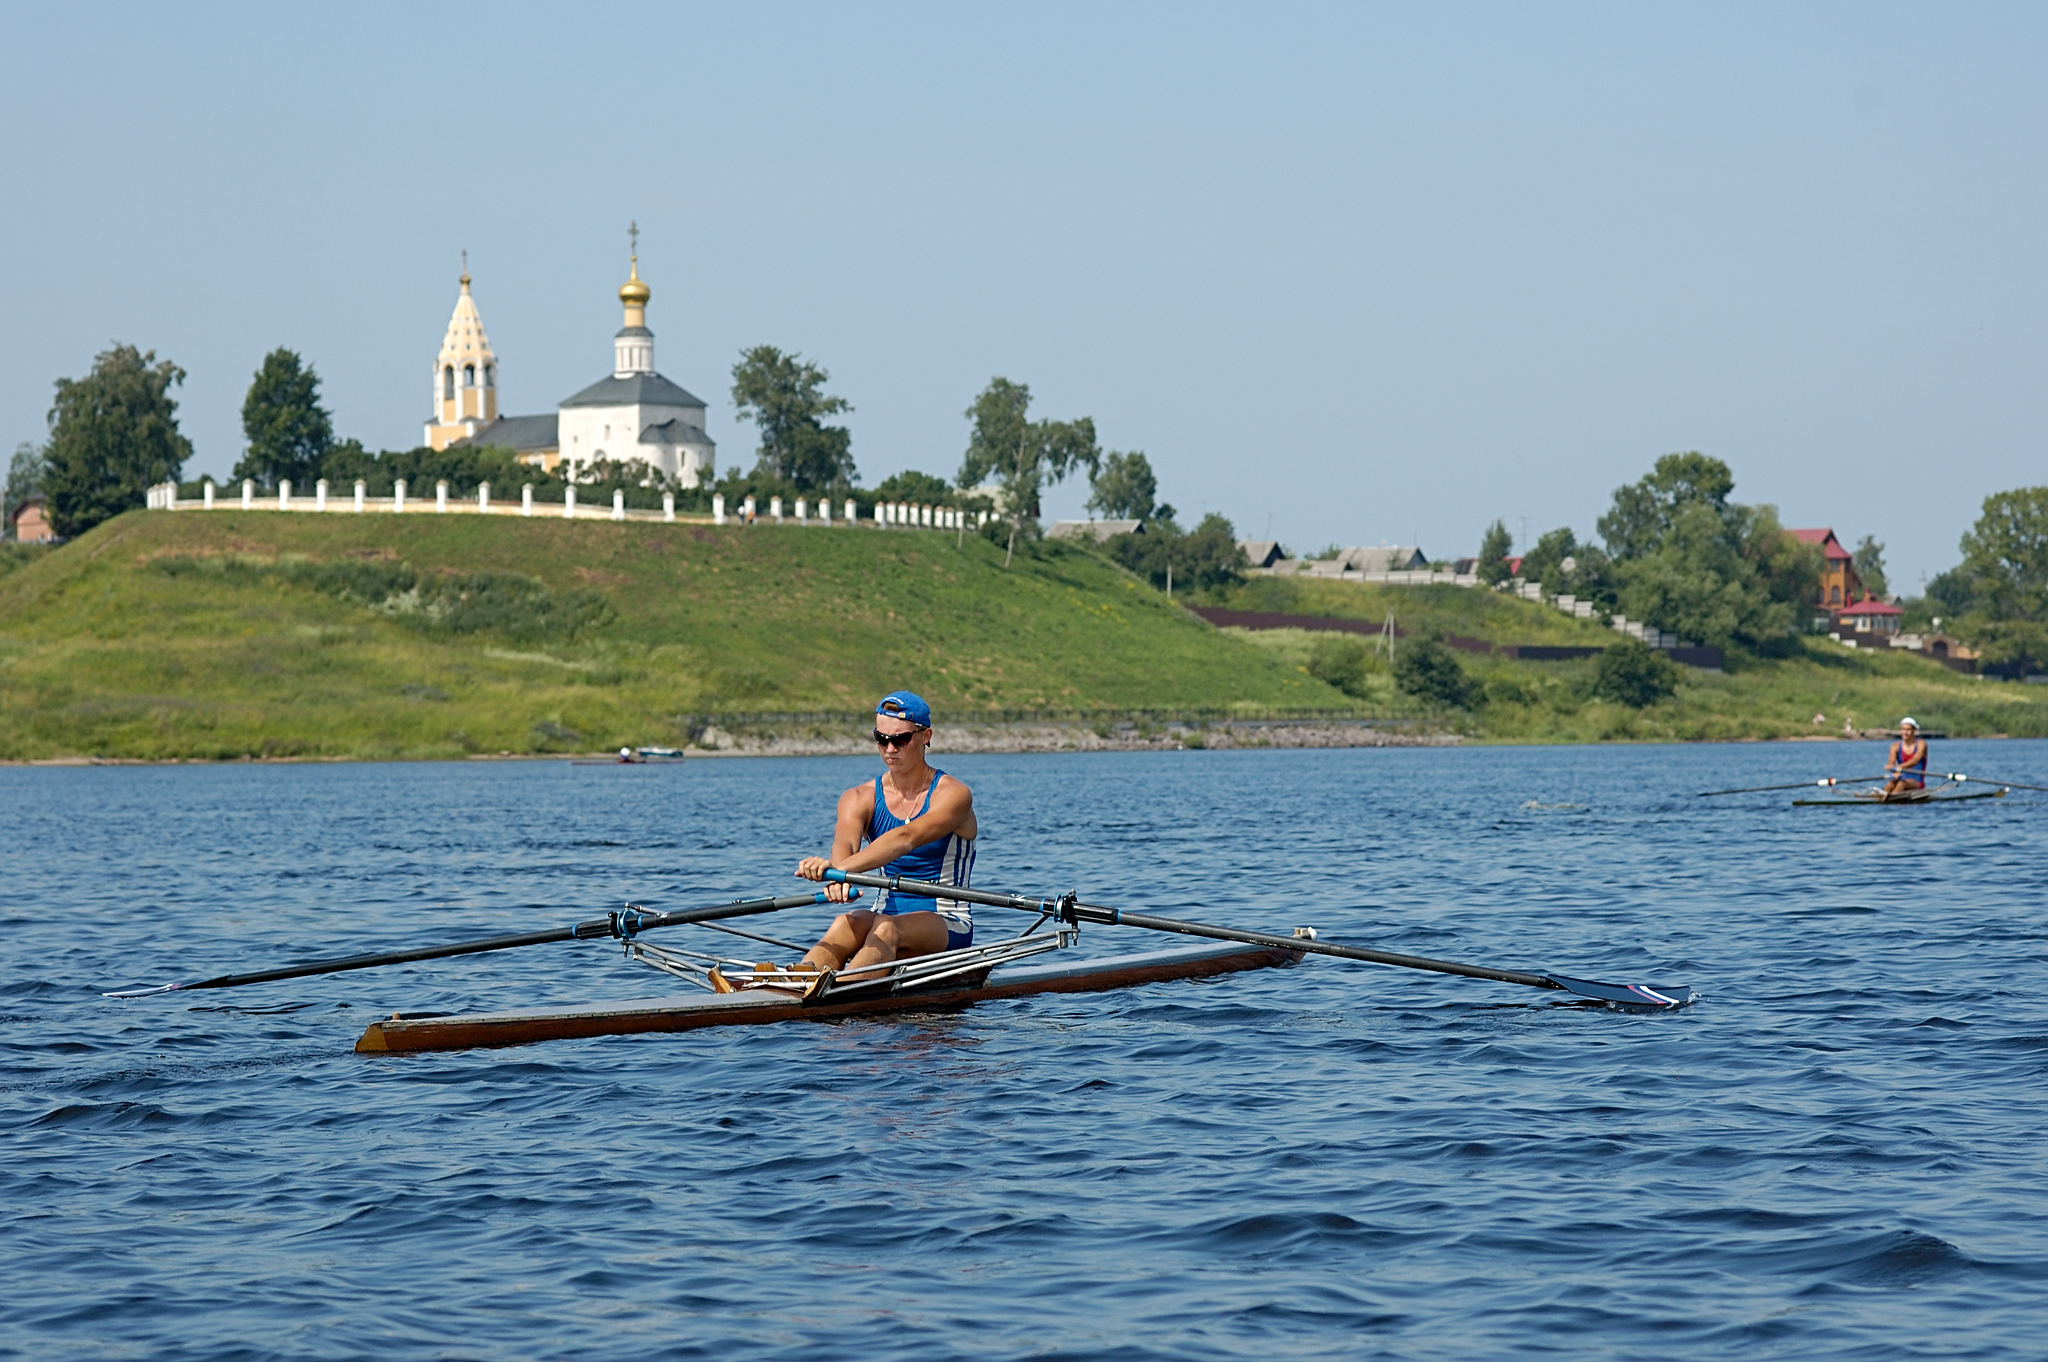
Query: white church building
634	413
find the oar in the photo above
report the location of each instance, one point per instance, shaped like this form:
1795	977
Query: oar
1066	909
623	925
1796	785
1958	777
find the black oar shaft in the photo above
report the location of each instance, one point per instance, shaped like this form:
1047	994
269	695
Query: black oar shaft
629	922
1986	780
1795	785
1089	912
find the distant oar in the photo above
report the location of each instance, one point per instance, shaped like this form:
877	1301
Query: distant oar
1958	777
1067	910
1796	785
628	922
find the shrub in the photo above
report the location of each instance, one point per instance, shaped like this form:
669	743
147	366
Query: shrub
1633	674
1425	669
1341	661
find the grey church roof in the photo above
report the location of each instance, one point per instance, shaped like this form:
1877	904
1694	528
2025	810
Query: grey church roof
675	431
522	433
636	390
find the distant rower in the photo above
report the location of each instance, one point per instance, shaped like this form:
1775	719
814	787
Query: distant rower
1906	768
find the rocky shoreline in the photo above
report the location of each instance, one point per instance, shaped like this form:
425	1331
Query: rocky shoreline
1056	737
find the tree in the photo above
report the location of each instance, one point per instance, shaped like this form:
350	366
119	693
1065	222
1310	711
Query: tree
1687	559
1494	547
1425	669
1203	559
784	396
1869	560
1342	661
288	431
113	436
1633	674
1021	453
1998	595
1124	488
920	489
24	476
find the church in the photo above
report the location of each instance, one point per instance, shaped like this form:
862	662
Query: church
634	413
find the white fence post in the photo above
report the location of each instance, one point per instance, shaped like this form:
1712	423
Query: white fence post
441	497
668	505
569	502
747	509
852	512
825	511
775	508
320	495
803	511
718	508
284	494
398	497
526	499
248	494
881	515
483	498
618	503
360	489
206	493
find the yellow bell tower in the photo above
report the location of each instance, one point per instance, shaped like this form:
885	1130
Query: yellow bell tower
465	374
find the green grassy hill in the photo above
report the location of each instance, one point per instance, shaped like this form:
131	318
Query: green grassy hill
227	633
1553	701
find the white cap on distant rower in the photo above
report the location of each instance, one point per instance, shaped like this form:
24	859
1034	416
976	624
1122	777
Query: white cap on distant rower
1908	722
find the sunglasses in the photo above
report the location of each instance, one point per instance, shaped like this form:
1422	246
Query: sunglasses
895	739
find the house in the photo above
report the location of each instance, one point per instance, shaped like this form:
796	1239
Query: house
1098	530
1839	584
1260	553
1947	649
1869	617
32	520
1383	560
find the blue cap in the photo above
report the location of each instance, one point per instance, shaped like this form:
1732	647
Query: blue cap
901	704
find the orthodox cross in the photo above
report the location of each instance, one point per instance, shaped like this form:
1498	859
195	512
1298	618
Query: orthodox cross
633	232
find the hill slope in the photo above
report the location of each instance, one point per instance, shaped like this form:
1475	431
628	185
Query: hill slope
227	633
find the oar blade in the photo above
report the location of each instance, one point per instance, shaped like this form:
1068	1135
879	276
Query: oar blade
1656	997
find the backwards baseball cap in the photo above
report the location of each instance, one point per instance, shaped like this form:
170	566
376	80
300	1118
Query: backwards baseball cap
1908	722
901	704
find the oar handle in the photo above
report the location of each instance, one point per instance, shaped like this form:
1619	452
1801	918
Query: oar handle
1068	909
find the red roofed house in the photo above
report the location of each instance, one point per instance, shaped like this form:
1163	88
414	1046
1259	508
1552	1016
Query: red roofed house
1870	617
1839	584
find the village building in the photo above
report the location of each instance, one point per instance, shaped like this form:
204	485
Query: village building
1839	584
634	414
31	520
1098	530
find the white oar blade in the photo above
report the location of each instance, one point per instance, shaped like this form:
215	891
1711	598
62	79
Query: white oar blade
1659	997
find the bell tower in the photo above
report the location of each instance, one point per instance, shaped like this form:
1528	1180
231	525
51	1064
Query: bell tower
465	374
633	347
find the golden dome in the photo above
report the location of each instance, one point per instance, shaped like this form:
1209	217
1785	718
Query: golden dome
633	293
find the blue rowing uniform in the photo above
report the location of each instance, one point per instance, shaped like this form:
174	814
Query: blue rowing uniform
948	860
1910	773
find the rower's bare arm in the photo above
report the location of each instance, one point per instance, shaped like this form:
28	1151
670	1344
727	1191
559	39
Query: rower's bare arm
952	810
849	825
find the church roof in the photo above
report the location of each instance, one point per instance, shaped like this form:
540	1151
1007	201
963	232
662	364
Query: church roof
674	431
635	390
523	433
465	341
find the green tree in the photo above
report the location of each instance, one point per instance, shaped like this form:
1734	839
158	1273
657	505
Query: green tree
1341	660
1022	454
113	436
920	489
1494	547
1124	488
288	431
1869	560
1633	674
1687	559
1998	595
1203	559
1427	670
784	396
24	476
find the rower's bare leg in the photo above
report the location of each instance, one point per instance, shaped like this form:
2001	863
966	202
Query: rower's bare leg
847	934
899	937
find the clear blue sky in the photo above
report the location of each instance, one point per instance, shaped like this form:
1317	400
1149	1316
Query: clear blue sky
1347	273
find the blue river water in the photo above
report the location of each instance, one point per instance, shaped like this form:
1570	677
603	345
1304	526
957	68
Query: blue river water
1837	1153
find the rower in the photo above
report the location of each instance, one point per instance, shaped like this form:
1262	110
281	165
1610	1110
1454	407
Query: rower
917	822
1906	768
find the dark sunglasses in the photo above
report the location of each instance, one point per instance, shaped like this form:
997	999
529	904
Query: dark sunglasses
895	739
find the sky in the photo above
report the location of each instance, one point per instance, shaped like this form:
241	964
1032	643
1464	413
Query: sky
1349	274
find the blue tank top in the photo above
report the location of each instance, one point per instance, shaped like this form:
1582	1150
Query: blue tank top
948	860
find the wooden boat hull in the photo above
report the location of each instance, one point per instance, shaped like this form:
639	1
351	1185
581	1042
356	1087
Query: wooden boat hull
687	1012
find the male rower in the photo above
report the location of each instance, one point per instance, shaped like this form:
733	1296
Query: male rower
917	822
1906	768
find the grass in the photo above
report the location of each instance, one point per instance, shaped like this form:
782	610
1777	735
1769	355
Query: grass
1553	702
228	634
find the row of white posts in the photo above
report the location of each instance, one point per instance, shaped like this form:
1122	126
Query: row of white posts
887	513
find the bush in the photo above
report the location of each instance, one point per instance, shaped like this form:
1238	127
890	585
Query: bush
1633	674
1342	661
1425	669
